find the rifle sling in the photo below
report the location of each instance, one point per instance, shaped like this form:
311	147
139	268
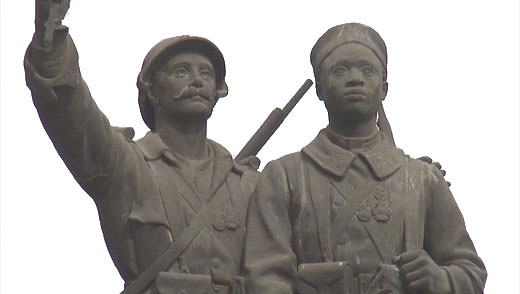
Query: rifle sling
379	238
361	193
176	248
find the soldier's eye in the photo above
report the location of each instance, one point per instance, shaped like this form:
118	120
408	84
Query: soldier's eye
367	71
206	74
339	71
181	72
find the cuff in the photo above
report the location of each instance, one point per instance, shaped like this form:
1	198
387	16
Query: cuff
459	281
44	71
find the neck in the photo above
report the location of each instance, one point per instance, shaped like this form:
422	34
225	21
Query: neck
188	139
353	129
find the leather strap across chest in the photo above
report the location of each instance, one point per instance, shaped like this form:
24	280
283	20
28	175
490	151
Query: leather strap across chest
176	248
362	192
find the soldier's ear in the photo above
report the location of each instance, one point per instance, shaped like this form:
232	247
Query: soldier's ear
385	90
151	93
146	89
222	91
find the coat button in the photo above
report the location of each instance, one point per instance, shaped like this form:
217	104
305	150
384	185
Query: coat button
343	238
215	263
339	200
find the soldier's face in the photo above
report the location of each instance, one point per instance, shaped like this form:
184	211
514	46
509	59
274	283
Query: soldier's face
351	82
185	88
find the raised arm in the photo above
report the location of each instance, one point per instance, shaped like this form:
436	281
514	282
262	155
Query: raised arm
80	132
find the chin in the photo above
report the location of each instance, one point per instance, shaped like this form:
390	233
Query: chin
350	113
196	113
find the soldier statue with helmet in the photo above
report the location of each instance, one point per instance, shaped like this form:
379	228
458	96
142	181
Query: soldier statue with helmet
350	212
172	204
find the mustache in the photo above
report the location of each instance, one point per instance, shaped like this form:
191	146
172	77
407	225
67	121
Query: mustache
190	92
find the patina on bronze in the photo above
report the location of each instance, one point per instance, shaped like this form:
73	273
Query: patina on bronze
174	185
350	212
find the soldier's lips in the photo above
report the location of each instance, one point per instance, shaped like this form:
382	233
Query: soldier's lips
355	96
198	97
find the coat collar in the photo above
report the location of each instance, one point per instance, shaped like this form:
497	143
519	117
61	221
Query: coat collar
153	148
335	154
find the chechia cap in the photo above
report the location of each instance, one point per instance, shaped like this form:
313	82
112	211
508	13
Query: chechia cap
159	55
347	33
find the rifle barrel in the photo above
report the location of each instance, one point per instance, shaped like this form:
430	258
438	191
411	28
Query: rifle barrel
271	124
296	98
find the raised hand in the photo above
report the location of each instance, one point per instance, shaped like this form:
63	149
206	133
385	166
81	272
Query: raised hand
48	16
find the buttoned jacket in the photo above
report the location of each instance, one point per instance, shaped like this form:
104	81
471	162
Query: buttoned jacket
295	214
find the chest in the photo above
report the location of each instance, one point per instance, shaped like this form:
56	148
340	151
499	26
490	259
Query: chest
179	201
344	220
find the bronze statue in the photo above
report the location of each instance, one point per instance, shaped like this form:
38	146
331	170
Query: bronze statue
350	212
172	204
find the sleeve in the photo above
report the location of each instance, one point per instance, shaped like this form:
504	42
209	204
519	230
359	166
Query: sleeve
270	264
80	132
448	242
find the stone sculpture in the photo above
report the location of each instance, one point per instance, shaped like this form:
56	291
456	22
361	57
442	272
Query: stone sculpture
172	204
350	212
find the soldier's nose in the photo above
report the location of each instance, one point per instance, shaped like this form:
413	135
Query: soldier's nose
355	83
197	82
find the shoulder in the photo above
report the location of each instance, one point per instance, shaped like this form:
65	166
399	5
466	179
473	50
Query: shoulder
429	173
219	148
285	164
282	172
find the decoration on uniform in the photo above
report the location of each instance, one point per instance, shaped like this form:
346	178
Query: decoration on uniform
226	218
376	206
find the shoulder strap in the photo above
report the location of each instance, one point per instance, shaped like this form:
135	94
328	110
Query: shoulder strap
361	193
379	239
199	221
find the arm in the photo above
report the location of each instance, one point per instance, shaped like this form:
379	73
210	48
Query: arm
270	264
448	242
449	262
79	131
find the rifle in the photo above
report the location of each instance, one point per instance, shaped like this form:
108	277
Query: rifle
271	124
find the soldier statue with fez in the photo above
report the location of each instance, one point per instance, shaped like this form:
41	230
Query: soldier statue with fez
172	204
350	212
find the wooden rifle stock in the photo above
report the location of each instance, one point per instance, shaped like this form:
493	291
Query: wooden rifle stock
271	124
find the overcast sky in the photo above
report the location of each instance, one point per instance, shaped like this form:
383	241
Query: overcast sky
453	95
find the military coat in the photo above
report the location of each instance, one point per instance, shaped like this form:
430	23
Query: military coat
300	200
145	193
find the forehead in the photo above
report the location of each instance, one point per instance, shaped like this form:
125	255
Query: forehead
189	58
351	53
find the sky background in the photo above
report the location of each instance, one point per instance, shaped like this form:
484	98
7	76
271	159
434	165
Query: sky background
453	95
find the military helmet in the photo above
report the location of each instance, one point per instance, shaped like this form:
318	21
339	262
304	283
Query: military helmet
159	55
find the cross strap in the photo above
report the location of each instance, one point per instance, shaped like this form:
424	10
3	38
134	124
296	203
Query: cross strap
176	248
345	214
379	238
